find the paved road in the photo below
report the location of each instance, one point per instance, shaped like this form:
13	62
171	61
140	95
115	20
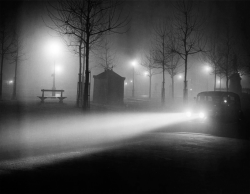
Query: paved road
154	162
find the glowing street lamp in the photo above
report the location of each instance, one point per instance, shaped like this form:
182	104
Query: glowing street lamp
207	68
58	69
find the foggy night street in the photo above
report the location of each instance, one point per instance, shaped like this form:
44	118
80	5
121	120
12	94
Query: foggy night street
125	96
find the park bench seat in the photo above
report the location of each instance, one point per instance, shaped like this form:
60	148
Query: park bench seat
61	98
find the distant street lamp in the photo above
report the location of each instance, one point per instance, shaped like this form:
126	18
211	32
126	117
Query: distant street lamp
207	68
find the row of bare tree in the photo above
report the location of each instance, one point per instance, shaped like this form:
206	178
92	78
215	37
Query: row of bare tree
185	34
174	40
226	55
10	42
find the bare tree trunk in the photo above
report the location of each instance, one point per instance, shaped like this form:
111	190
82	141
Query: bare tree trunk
214	78
163	73
79	76
83	71
150	77
86	88
185	90
220	82
172	77
227	81
163	88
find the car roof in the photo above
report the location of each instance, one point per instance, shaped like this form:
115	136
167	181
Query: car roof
217	93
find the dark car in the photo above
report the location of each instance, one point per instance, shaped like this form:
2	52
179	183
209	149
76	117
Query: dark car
217	104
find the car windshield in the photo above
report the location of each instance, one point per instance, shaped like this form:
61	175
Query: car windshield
209	99
217	99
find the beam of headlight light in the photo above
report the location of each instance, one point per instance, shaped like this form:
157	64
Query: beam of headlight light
201	115
83	131
189	113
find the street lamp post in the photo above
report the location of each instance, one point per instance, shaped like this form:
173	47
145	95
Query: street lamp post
54	79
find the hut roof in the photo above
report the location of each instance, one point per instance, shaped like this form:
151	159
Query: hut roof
108	73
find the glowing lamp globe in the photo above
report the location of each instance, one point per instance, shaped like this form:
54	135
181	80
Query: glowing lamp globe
54	48
134	63
207	68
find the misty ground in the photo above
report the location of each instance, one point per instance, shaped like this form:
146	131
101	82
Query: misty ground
58	148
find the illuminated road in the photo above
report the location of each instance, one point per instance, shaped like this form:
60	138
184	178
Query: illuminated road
128	152
38	134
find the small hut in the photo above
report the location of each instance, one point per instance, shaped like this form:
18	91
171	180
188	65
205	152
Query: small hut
108	88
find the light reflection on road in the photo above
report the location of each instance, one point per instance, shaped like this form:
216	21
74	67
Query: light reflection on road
66	133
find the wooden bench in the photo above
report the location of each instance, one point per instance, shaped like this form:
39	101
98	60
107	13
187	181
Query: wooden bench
61	98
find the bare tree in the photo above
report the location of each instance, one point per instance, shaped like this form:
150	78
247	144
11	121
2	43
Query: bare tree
105	54
173	67
161	54
151	69
225	53
213	57
187	28
87	21
227	65
67	20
